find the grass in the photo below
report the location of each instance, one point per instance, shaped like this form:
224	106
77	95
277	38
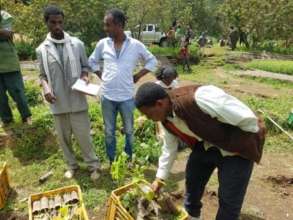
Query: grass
173	52
275	66
34	150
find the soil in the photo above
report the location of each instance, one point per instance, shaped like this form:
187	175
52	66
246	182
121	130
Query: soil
264	74
269	194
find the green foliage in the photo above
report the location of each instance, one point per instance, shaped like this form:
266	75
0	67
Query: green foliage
129	201
164	51
119	168
33	93
262	20
79	19
173	52
147	149
290	119
272	46
276	66
97	131
25	50
35	142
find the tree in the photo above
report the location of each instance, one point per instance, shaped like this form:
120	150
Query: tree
83	18
264	20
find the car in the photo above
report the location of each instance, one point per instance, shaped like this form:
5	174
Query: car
150	34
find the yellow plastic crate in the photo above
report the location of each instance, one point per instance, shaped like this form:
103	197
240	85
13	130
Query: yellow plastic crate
4	185
55	192
115	209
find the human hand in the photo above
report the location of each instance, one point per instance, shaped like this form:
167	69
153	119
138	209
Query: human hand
50	97
84	77
157	185
136	77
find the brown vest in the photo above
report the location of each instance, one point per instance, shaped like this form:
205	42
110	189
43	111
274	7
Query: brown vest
228	137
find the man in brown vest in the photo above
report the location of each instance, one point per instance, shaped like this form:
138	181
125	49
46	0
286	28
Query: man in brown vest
222	132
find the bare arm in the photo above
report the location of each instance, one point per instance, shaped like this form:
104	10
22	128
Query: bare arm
95	58
150	63
140	74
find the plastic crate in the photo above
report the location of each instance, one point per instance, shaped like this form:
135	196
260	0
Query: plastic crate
55	192
115	209
4	185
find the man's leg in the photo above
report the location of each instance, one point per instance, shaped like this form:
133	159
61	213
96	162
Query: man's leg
183	63
198	171
64	131
15	86
109	111
126	110
81	129
5	111
188	64
234	174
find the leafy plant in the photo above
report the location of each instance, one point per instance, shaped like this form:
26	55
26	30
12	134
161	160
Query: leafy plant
276	66
119	168
33	93
25	50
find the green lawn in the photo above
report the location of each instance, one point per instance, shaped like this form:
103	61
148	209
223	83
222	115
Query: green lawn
275	66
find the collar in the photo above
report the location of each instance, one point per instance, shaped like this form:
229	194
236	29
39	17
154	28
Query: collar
126	39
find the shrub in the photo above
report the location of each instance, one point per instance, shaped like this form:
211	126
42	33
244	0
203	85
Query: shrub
25	50
272	46
173	52
33	93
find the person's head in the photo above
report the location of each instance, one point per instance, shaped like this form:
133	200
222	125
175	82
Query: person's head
152	100
167	74
114	22
54	19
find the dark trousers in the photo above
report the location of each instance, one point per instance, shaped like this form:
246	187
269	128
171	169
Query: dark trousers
233	174
185	63
13	83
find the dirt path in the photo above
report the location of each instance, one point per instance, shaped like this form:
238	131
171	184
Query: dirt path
264	74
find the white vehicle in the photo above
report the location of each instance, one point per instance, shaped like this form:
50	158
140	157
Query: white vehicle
128	33
150	34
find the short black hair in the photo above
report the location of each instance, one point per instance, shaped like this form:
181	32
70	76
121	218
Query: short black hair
118	16
148	93
166	72
52	10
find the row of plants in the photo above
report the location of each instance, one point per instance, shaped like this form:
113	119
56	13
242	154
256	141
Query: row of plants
272	46
275	66
174	52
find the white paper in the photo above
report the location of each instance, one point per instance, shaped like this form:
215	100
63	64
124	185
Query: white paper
89	89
